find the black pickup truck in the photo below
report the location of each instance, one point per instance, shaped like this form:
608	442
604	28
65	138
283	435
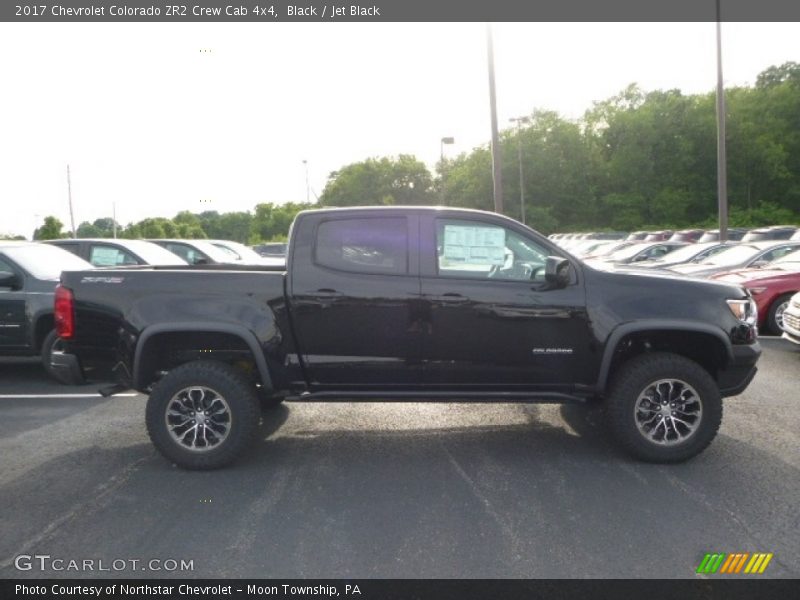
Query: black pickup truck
409	304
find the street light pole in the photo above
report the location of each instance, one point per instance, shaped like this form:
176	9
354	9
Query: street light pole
445	140
71	213
722	170
497	171
519	121
305	163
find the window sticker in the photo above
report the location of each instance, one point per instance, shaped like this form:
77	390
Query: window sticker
474	245
106	257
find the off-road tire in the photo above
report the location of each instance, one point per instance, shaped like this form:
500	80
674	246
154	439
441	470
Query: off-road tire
633	378
229	383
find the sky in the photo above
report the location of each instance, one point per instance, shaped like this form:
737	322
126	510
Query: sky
155	118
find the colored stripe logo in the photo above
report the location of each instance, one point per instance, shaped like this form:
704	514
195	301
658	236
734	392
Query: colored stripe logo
735	563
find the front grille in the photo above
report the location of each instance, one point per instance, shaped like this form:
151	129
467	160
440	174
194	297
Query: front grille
791	321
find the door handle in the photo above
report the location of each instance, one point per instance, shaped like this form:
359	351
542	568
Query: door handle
327	292
452	298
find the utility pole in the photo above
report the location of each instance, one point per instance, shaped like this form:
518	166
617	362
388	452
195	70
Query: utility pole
445	140
497	171
519	121
305	162
69	195
722	170
114	218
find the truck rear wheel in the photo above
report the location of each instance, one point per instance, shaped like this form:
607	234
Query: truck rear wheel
202	415
52	343
664	407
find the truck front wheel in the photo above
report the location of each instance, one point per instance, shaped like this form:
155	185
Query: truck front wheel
664	407
202	415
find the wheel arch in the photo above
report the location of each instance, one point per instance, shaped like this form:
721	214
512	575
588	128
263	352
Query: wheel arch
43	324
144	368
680	337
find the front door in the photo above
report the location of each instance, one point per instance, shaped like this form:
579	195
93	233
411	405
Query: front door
493	320
13	323
354	297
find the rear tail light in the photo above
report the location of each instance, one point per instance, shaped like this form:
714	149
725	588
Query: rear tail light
64	313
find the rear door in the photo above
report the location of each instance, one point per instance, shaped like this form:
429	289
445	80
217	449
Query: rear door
13	319
492	322
354	296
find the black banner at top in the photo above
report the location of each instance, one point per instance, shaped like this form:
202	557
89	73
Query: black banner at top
276	11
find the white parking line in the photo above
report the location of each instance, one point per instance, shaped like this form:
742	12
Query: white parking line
10	396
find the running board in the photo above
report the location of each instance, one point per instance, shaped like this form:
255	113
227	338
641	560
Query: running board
438	396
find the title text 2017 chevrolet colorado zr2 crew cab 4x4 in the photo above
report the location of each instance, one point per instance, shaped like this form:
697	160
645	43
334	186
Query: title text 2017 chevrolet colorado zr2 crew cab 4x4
406	303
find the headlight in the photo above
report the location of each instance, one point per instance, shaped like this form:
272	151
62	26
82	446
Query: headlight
756	291
744	310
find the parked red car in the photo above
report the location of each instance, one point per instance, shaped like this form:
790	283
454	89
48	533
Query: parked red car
772	286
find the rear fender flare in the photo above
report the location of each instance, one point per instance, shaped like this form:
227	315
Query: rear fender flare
246	335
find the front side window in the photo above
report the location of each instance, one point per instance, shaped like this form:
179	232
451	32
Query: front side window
187	253
109	256
475	250
378	245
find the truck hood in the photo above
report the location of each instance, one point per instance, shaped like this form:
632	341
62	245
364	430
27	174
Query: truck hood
665	278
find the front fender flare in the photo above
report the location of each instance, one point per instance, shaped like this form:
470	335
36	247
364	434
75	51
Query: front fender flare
654	325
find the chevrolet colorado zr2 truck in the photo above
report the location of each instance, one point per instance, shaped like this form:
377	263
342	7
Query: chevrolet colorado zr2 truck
408	304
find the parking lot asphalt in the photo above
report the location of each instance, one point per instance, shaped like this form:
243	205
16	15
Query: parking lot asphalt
396	490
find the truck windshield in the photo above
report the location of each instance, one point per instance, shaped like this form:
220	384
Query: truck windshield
45	262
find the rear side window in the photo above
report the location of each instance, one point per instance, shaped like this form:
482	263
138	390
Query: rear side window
378	245
74	248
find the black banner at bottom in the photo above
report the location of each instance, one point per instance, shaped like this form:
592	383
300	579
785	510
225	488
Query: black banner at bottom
416	589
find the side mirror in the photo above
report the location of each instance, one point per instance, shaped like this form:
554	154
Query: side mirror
760	263
201	261
557	271
641	258
8	279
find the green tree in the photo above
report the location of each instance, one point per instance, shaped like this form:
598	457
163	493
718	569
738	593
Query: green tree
271	222
380	181
51	229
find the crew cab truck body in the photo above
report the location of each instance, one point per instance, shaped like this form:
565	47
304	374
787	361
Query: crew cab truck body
406	303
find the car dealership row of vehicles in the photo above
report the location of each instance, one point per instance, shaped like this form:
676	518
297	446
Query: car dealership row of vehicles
766	261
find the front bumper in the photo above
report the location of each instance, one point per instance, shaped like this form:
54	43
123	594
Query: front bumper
66	368
735	378
791	323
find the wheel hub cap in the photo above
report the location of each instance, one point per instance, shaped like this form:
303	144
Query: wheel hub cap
198	418
668	412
